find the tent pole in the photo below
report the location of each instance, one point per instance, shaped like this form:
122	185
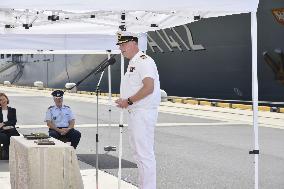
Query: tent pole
255	152
109	90
97	134
109	148
120	130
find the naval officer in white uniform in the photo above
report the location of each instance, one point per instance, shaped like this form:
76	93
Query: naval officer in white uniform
140	95
61	121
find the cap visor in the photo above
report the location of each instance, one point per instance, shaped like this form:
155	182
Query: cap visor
58	97
126	41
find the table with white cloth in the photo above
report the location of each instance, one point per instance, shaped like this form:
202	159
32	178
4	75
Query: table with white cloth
34	166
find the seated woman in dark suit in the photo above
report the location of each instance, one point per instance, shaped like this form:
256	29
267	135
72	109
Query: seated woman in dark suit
8	120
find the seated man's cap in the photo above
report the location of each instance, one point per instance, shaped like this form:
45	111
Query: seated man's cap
123	37
57	94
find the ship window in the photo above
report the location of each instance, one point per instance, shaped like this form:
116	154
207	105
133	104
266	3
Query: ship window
8	55
2	56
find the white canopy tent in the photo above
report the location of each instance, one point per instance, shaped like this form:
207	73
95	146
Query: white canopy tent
219	5
89	26
62	43
97	17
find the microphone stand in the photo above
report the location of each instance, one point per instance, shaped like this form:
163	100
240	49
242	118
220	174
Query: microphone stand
97	70
97	134
100	68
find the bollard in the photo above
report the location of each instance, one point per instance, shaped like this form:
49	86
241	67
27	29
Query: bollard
71	87
164	96
274	109
7	83
38	85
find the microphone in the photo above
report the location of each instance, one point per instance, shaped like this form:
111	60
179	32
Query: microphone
105	64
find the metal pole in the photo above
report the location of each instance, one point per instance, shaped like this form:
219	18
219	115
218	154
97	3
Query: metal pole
97	134
123	28
120	147
120	131
109	91
109	148
47	74
255	96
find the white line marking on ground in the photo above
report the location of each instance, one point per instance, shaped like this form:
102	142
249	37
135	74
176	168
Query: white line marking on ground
117	125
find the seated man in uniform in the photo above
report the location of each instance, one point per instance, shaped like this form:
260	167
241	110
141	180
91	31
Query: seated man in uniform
61	121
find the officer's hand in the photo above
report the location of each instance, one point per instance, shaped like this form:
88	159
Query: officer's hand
1	125
65	131
121	103
60	131
118	102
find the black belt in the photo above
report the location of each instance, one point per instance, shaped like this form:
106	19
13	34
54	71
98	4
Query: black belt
58	128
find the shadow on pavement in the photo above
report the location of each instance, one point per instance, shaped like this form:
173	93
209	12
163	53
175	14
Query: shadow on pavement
4	166
105	161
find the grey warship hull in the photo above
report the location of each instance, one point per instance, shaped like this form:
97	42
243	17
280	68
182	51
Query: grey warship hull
211	58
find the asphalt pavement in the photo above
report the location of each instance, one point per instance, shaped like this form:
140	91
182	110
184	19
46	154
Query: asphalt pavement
197	147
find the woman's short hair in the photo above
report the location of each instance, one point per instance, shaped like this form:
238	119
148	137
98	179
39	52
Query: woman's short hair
3	94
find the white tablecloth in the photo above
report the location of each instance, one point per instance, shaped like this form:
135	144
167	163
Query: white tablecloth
35	166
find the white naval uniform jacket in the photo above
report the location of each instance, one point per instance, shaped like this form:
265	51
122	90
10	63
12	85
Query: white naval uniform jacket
140	67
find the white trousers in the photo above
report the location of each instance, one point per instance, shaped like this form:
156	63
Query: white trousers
141	127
